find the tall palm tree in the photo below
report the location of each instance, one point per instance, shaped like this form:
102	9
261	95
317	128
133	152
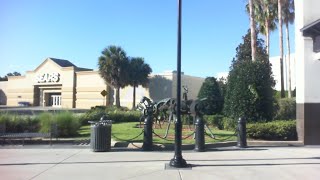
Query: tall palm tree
253	31
112	68
288	18
280	4
265	12
138	75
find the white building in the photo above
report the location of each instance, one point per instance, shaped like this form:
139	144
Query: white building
307	40
275	62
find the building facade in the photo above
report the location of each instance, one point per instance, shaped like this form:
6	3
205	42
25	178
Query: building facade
307	40
275	66
59	83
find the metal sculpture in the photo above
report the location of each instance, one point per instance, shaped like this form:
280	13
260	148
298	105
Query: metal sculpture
168	108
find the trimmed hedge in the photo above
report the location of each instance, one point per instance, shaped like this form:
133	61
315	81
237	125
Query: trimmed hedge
93	114
124	116
275	130
286	109
114	114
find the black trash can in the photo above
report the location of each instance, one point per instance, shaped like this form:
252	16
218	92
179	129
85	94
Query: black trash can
101	136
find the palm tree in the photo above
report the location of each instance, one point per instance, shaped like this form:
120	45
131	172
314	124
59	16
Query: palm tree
253	31
280	4
288	17
265	16
112	68
138	73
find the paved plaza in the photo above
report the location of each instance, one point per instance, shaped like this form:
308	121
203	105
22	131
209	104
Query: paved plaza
79	162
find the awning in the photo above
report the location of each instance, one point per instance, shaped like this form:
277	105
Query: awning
312	30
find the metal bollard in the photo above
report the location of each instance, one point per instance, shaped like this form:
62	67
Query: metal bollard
147	134
242	133
200	141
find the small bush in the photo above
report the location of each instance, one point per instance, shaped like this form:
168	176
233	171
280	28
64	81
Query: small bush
114	108
124	116
275	130
286	109
17	124
229	123
215	120
93	114
46	121
67	123
4	119
114	114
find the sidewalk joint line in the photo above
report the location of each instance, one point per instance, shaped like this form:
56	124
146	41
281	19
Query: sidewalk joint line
56	164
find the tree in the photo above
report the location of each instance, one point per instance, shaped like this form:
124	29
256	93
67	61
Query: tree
113	64
14	74
223	86
5	78
265	12
281	46
210	89
249	87
288	18
138	75
253	31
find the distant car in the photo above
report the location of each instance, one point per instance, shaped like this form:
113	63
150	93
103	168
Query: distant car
24	103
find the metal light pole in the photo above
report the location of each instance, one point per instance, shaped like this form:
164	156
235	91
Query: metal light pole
178	161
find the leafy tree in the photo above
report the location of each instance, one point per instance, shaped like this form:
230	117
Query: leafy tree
113	65
138	75
210	89
14	74
5	78
249	87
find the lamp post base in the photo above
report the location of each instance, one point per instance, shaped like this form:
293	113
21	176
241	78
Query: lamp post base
178	162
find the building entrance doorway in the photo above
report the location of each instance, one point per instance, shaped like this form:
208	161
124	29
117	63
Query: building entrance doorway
48	96
55	100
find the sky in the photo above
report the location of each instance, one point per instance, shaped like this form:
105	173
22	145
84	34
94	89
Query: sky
78	30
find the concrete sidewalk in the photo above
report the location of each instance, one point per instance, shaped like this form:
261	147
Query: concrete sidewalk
66	162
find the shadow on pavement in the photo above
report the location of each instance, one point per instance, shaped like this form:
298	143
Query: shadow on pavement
191	164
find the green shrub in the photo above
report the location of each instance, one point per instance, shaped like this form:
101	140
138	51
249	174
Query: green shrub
229	123
115	114
215	120
33	124
93	114
67	123
221	122
114	108
124	116
46	121
274	130
4	118
16	123
286	109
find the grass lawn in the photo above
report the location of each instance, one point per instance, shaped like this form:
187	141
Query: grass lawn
125	131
